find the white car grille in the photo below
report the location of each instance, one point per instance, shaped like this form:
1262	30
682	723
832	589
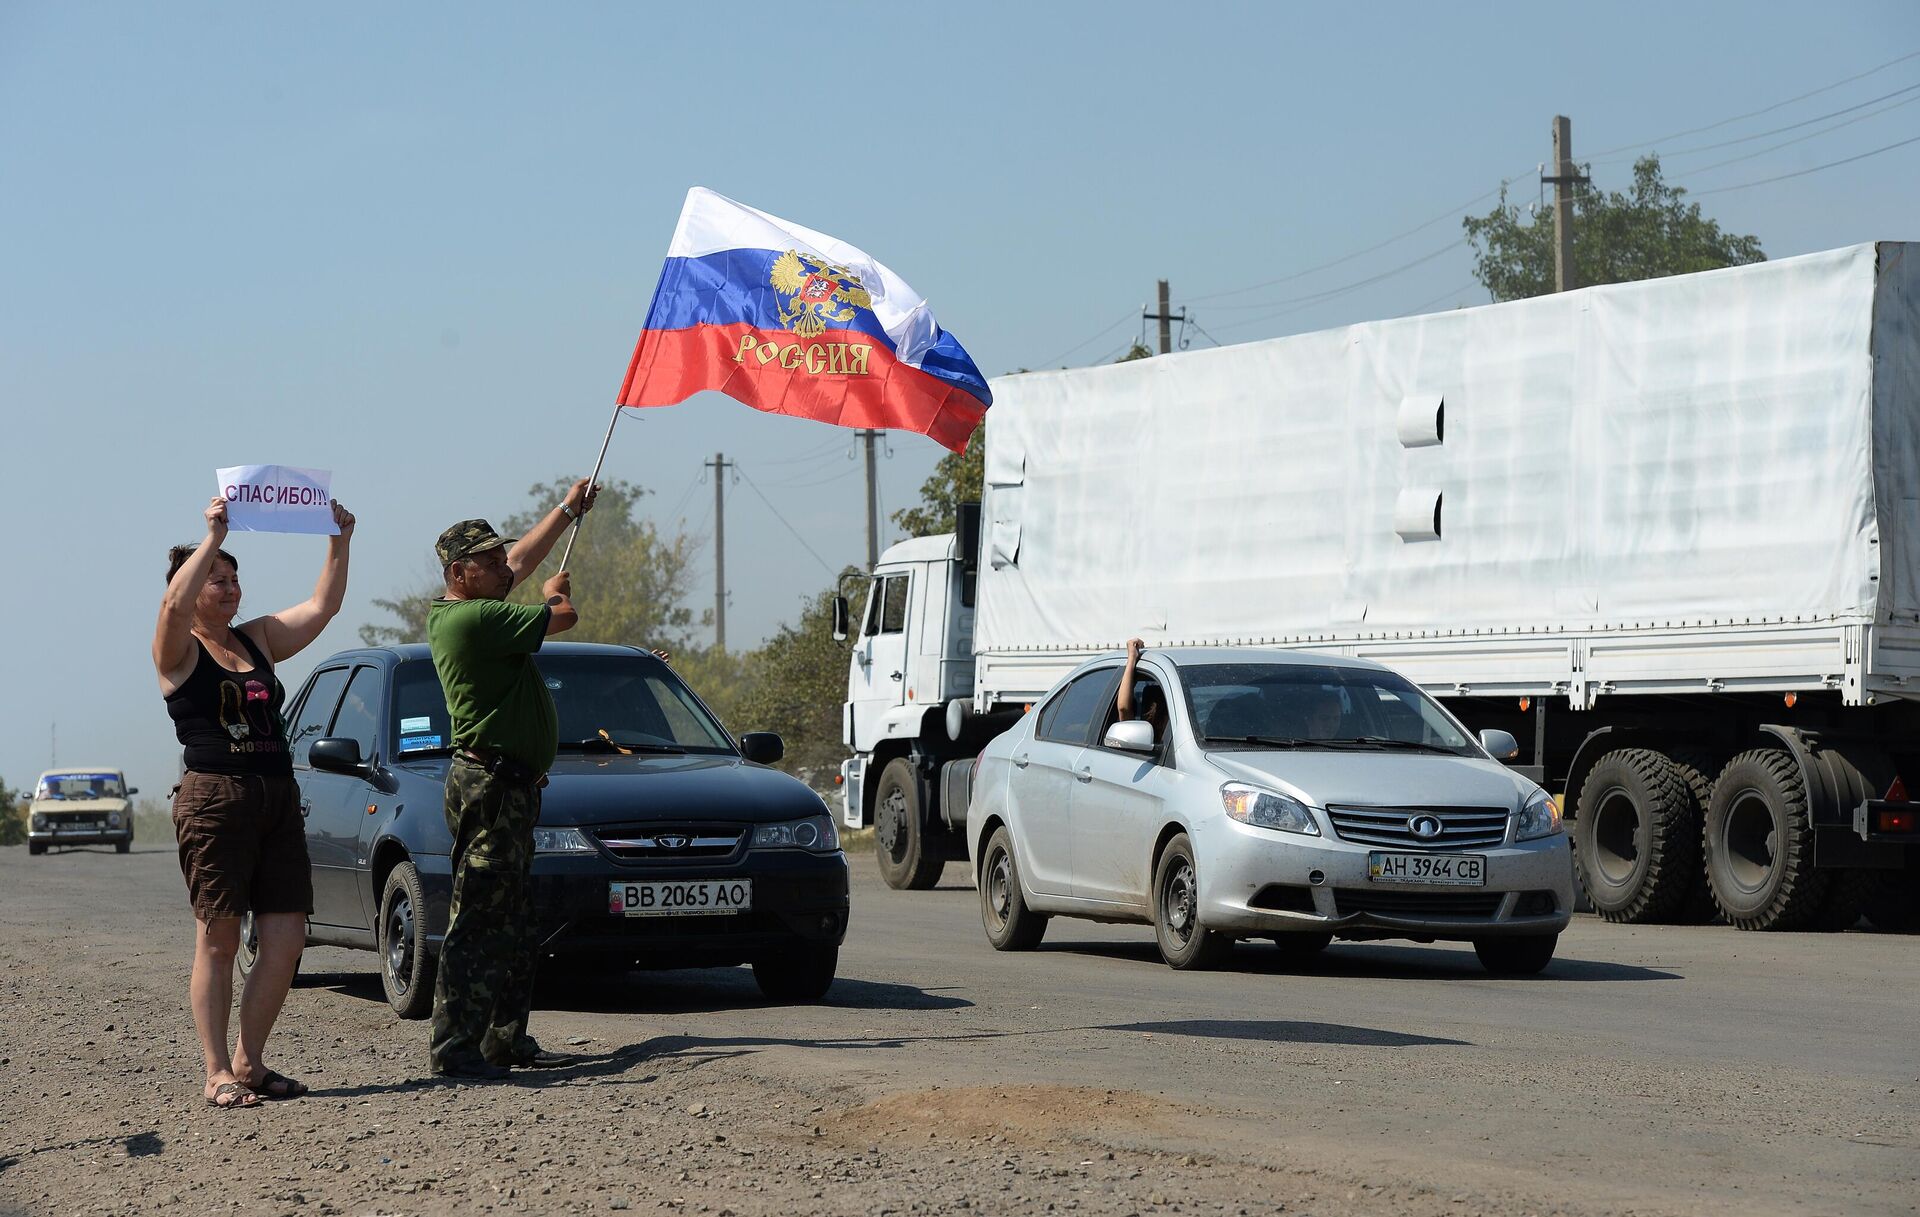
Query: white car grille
1460	827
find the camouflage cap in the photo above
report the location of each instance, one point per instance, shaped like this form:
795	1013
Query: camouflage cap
467	538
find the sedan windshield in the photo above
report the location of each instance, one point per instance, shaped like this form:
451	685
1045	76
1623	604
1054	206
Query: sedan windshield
605	703
1288	705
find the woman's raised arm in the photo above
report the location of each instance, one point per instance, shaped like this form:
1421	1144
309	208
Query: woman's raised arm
286	633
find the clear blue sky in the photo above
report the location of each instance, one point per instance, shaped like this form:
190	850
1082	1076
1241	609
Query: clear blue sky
414	243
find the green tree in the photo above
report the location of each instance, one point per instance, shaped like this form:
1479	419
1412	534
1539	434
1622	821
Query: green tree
795	685
630	579
13	815
1139	350
956	479
1647	233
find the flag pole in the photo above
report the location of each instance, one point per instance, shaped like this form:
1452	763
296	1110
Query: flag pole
592	479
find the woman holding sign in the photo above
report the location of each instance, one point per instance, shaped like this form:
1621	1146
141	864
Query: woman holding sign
236	812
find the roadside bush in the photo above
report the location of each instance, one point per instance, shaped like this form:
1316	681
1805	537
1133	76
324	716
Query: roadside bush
13	824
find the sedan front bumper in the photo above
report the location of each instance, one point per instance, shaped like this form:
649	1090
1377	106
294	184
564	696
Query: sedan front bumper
798	897
1256	881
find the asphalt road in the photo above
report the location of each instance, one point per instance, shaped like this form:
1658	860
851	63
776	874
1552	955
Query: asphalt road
1658	1070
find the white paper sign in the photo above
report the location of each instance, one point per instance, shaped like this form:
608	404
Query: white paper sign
277	498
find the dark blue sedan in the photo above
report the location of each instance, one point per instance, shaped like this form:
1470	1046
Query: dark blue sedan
663	841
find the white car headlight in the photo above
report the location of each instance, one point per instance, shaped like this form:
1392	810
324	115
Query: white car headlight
39	823
1266	809
815	833
1539	818
113	819
561	841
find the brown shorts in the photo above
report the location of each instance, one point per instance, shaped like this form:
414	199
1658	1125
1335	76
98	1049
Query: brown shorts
243	845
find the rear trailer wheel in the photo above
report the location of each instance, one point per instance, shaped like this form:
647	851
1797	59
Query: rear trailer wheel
1185	943
900	832
1516	956
1010	924
799	973
1697	770
1759	845
1637	838
406	966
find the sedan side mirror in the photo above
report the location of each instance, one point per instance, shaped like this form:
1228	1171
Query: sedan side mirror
839	618
760	747
132	790
1131	735
336	755
1501	744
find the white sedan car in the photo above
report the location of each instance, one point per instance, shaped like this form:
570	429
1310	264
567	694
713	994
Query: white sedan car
1279	795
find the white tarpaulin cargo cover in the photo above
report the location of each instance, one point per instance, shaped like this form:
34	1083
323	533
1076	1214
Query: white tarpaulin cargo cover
1740	446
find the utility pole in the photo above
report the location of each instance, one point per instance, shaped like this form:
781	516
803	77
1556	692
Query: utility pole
873	500
719	464
1565	177
1166	318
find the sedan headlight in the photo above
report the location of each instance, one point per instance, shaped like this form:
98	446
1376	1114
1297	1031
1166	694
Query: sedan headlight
815	834
39	823
1539	818
113	819
561	841
1265	809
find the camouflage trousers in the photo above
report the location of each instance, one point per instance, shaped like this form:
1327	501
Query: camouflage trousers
484	993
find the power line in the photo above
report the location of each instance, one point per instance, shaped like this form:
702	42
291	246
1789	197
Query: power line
1800	139
783	522
1762	110
1421	227
833	445
1061	357
1808	122
1300	302
1804	172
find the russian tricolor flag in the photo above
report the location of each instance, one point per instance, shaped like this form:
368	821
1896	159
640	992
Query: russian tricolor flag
792	321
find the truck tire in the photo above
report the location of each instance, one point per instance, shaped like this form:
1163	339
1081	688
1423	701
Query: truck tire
1759	845
1890	899
900	831
407	968
1637	839
1185	942
1010	924
1698	770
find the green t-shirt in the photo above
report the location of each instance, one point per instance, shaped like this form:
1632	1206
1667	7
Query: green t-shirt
483	651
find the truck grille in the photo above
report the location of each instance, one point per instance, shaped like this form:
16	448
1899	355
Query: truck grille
670	843
1350	901
1460	827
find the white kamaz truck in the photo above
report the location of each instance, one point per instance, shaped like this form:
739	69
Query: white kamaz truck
1666	533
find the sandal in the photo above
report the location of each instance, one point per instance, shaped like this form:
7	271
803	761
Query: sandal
229	1095
278	1086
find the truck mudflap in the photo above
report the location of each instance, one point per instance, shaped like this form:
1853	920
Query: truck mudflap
853	772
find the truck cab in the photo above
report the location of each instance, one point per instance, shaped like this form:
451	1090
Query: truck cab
912	660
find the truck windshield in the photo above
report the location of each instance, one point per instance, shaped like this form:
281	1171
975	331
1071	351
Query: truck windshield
1287	705
604	702
81	786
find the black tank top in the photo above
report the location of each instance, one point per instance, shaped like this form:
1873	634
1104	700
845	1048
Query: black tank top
229	722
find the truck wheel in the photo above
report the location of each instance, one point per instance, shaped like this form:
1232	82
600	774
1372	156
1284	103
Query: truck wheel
1637	839
406	966
1697	770
900	831
1516	956
1185	943
1010	924
1759	845
1889	898
803	972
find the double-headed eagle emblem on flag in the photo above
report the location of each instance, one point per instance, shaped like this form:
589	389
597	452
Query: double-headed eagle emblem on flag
813	288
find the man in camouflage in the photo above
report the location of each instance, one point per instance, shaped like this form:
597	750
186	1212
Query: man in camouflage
505	736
